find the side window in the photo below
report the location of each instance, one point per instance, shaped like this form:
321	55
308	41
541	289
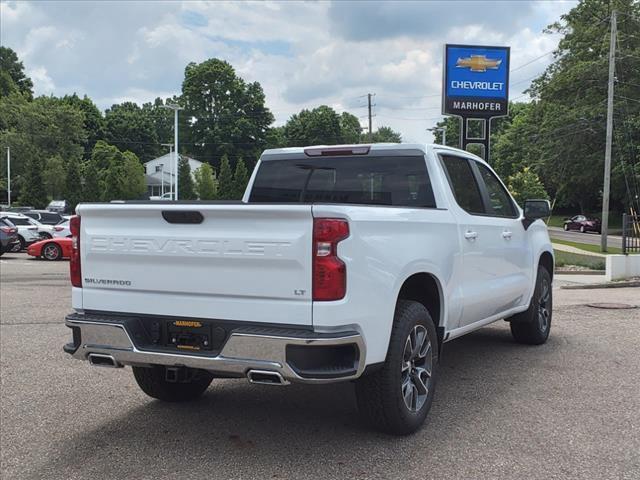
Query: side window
499	200
463	183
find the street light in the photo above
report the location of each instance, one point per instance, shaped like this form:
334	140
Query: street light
175	109
170	145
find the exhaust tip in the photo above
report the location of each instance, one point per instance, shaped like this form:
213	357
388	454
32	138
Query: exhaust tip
101	360
266	377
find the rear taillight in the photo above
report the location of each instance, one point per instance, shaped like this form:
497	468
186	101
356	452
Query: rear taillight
7	230
58	229
74	263
329	272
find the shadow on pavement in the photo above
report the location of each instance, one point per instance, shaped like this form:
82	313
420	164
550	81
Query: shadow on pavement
240	430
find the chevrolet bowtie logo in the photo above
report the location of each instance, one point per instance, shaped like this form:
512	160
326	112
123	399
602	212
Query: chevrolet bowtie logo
478	63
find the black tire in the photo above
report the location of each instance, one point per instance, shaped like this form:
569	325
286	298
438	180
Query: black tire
532	326
582	229
153	382
380	396
46	236
566	227
51	251
21	245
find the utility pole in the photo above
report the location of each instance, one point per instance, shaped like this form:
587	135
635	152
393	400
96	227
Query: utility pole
175	109
370	129
444	134
607	152
9	176
170	145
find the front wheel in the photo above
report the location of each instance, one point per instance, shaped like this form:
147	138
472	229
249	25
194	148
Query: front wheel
532	326
183	385
566	227
397	398
582	229
51	251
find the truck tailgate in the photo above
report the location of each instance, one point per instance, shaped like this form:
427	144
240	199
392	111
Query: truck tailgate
242	262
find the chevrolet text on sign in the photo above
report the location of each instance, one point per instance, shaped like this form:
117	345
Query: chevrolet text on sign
476	80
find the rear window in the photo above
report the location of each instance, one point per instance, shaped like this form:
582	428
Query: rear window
397	181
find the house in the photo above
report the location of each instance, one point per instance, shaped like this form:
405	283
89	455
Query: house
158	176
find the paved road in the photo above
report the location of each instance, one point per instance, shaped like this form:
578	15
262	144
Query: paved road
568	409
589	238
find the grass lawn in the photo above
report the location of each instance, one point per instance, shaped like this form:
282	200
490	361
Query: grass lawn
566	258
586	246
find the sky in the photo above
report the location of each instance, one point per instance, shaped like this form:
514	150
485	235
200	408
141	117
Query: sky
304	54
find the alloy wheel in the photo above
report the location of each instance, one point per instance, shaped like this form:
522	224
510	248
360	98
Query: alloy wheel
50	251
417	363
544	312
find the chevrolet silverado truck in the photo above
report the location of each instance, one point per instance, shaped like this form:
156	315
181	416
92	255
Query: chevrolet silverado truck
349	263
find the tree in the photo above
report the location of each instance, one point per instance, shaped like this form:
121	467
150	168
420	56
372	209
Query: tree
93	121
32	191
526	185
114	177
225	114
185	180
92	191
350	129
385	135
131	128
12	76
320	126
225	180
205	182
54	177
134	185
73	183
240	179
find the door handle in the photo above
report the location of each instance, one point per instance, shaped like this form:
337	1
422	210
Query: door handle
469	235
506	235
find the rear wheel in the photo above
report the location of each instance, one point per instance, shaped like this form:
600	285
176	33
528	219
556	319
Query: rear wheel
46	236
566	227
52	251
582	229
18	247
180	385
532	326
397	398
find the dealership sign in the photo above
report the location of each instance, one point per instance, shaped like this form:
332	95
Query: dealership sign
476	81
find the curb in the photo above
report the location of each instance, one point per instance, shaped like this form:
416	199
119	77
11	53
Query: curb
579	272
633	283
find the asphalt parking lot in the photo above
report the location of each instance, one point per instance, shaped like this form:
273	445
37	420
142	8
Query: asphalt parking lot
567	409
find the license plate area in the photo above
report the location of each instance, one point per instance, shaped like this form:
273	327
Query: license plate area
193	335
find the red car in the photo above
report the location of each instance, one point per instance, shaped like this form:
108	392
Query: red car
582	223
51	249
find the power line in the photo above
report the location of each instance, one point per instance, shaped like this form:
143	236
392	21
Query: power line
531	61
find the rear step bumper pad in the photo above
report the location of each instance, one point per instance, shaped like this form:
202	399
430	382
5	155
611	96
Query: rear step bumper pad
246	349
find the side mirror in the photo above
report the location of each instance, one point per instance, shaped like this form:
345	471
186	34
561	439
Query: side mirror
535	209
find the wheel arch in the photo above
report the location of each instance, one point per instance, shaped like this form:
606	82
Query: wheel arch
546	260
426	289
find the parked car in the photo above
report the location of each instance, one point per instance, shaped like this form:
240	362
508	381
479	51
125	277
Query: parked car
354	262
62	230
60	206
45	216
582	223
27	232
8	236
51	249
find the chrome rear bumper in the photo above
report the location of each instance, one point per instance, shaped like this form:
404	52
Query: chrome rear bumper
245	349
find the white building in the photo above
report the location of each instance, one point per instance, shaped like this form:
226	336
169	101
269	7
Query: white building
158	176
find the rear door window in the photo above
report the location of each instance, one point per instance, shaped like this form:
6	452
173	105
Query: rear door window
463	184
396	181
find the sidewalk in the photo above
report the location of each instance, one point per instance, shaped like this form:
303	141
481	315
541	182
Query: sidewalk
579	251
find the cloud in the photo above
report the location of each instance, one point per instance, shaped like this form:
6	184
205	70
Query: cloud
302	53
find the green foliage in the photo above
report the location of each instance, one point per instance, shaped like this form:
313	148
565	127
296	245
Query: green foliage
12	76
231	114
385	135
320	126
92	188
54	177
186	190
73	183
93	121
526	185
205	185
350	129
32	190
240	179
134	184
225	180
131	128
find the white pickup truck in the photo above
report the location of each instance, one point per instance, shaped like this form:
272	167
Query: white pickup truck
340	263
